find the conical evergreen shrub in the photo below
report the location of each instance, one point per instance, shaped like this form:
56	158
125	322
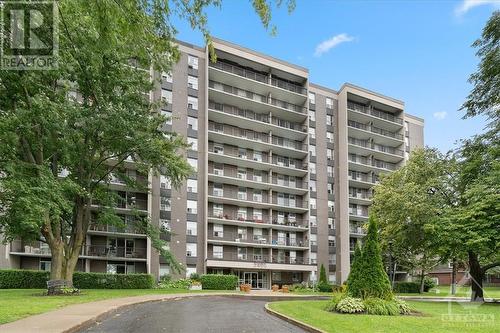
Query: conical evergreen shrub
353	280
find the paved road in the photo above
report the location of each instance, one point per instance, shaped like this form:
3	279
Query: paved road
201	314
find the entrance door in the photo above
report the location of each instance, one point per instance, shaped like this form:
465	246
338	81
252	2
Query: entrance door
251	279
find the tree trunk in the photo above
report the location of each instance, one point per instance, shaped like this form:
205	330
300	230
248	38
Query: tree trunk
56	266
454	277
422	278
476	278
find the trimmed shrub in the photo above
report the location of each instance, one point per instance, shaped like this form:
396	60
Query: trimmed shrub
178	284
219	282
83	280
406	287
349	304
195	276
324	287
322	275
23	279
429	284
404	308
381	307
332	304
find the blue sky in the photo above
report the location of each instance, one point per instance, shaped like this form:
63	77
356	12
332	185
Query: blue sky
416	51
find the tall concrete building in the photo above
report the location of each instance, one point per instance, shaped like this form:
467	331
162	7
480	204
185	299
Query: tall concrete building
284	171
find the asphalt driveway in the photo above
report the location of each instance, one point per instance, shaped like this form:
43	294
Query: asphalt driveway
198	314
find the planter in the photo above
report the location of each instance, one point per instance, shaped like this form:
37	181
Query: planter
285	289
275	287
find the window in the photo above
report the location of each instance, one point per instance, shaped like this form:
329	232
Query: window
242	193
312	132
120	268
257	196
164	270
329	154
193	82
167	77
313	221
331	206
45	265
313	258
242	153
330	188
329	120
329	137
168	115
257	176
242	173
193	162
165	225
192	123
218	169
191	249
219	149
257	156
192	62
331	241
329	170
331	223
164	182
312	185
329	103
192	185
192	206
295	275
218	252
218	230
193	103
242	233
218	210
242	213
191	228
218	190
276	276
312	98
257	214
314	239
166	96
332	278
165	204
242	253
190	270
312	115
312	203
312	150
193	142
312	168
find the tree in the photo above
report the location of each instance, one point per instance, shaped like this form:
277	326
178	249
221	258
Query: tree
106	51
355	273
322	275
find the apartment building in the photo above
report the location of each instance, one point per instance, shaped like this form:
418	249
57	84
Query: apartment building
284	171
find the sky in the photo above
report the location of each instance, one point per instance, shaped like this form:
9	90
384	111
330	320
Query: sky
416	51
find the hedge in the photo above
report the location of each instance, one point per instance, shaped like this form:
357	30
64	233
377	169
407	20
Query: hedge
26	279
219	282
406	287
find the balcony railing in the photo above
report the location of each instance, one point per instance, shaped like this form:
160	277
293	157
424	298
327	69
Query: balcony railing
253	75
261	179
362	195
290	242
256	97
238	196
259	258
374	146
363	178
361	213
241	238
129	229
376	130
289	143
373	112
375	163
37	248
114	251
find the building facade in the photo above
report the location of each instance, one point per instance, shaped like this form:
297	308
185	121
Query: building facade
284	171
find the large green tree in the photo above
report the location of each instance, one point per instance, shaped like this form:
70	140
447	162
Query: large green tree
88	119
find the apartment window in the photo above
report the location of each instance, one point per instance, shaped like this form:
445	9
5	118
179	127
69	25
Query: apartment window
191	249
218	190
218	252
331	206
164	270
242	233
120	268
329	137
329	170
192	185
329	103
329	154
330	188
242	213
329	119
192	123
257	214
193	103
165	182
313	258
312	150
167	77
257	195
313	221
312	202
312	98
165	204
165	225
219	149
218	230
193	82
312	185
331	241
191	228
257	156
312	168
331	223
312	132
314	239
218	210
242	193
192	62
190	270
45	265
242	253
242	173
166	96
312	115
332	278
218	169
192	206
257	175
193	142
193	162
168	115
276	276
242	153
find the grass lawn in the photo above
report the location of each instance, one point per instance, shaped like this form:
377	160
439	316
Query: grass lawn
489	292
312	313
19	303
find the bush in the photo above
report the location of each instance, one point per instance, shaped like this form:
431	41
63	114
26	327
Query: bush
404	308
381	307
178	284
324	287
406	287
165	278
349	304
195	276
332	304
219	282
429	283
84	280
23	279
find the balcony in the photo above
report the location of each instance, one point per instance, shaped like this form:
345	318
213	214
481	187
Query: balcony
278	224
358	214
360	198
37	249
365	164
362	180
253	259
228	237
357	231
381	118
238	199
297	169
105	228
106	252
231	95
391	154
365	131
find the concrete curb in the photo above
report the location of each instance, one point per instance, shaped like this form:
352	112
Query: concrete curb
293	321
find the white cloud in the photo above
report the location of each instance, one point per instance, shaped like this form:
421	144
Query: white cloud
328	44
467	5
440	115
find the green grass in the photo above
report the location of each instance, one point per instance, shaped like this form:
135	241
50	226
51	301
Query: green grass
442	291
19	303
431	320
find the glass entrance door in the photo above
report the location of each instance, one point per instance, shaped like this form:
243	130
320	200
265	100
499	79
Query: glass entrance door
251	279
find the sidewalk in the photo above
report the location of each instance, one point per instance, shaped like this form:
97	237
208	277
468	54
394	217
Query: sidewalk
76	317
